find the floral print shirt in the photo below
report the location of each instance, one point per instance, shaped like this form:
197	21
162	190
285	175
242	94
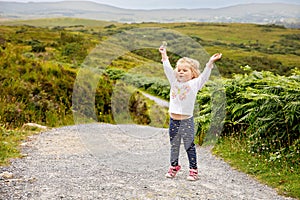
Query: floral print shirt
183	94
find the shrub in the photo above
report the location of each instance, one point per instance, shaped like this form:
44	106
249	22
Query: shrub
37	46
262	108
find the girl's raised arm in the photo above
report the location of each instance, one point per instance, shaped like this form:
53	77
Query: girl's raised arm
167	66
203	78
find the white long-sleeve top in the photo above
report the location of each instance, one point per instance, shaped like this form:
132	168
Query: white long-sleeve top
183	94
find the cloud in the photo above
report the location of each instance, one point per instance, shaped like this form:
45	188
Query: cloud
157	4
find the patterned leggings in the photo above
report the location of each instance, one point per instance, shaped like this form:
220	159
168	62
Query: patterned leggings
182	129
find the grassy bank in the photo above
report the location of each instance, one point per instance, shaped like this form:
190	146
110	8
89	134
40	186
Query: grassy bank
279	175
11	140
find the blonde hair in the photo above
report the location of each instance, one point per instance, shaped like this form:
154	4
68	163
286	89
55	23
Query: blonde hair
193	64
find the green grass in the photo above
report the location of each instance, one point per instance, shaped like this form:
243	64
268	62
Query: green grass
278	175
52	22
277	45
10	141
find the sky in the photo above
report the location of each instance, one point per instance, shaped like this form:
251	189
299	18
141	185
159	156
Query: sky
157	4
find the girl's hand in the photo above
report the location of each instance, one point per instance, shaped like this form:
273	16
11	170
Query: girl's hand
162	49
215	57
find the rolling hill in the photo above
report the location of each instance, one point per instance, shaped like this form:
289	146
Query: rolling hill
276	13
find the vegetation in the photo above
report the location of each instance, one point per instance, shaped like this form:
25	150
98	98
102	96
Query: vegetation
261	127
10	142
256	108
279	175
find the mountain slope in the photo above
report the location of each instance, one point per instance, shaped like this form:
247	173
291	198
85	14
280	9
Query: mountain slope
250	13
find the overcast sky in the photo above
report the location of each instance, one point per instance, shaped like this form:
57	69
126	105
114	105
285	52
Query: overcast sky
156	4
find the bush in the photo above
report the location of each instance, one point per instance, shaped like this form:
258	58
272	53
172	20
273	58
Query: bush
37	46
264	109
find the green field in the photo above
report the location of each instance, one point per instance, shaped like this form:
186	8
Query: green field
263	47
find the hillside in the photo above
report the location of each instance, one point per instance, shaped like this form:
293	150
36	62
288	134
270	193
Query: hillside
278	13
42	58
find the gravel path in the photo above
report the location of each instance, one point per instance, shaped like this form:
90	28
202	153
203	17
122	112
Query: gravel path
104	161
157	100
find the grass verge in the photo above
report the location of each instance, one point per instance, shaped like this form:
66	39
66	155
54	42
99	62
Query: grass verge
280	176
10	141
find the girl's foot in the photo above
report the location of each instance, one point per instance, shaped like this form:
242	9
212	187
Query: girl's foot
193	175
173	171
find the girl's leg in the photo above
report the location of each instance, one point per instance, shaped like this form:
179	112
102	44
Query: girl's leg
187	129
175	140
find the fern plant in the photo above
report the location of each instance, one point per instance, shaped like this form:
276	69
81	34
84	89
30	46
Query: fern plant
263	109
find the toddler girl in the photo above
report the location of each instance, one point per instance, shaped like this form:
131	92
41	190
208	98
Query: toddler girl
185	82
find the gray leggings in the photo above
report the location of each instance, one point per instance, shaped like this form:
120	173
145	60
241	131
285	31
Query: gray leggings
182	129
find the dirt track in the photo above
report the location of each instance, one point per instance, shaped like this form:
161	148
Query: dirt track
104	161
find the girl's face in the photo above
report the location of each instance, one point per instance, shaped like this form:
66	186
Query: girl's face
183	73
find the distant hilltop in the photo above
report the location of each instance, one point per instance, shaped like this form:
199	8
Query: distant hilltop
271	13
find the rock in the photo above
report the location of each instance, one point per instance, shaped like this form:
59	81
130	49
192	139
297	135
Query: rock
6	175
34	125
